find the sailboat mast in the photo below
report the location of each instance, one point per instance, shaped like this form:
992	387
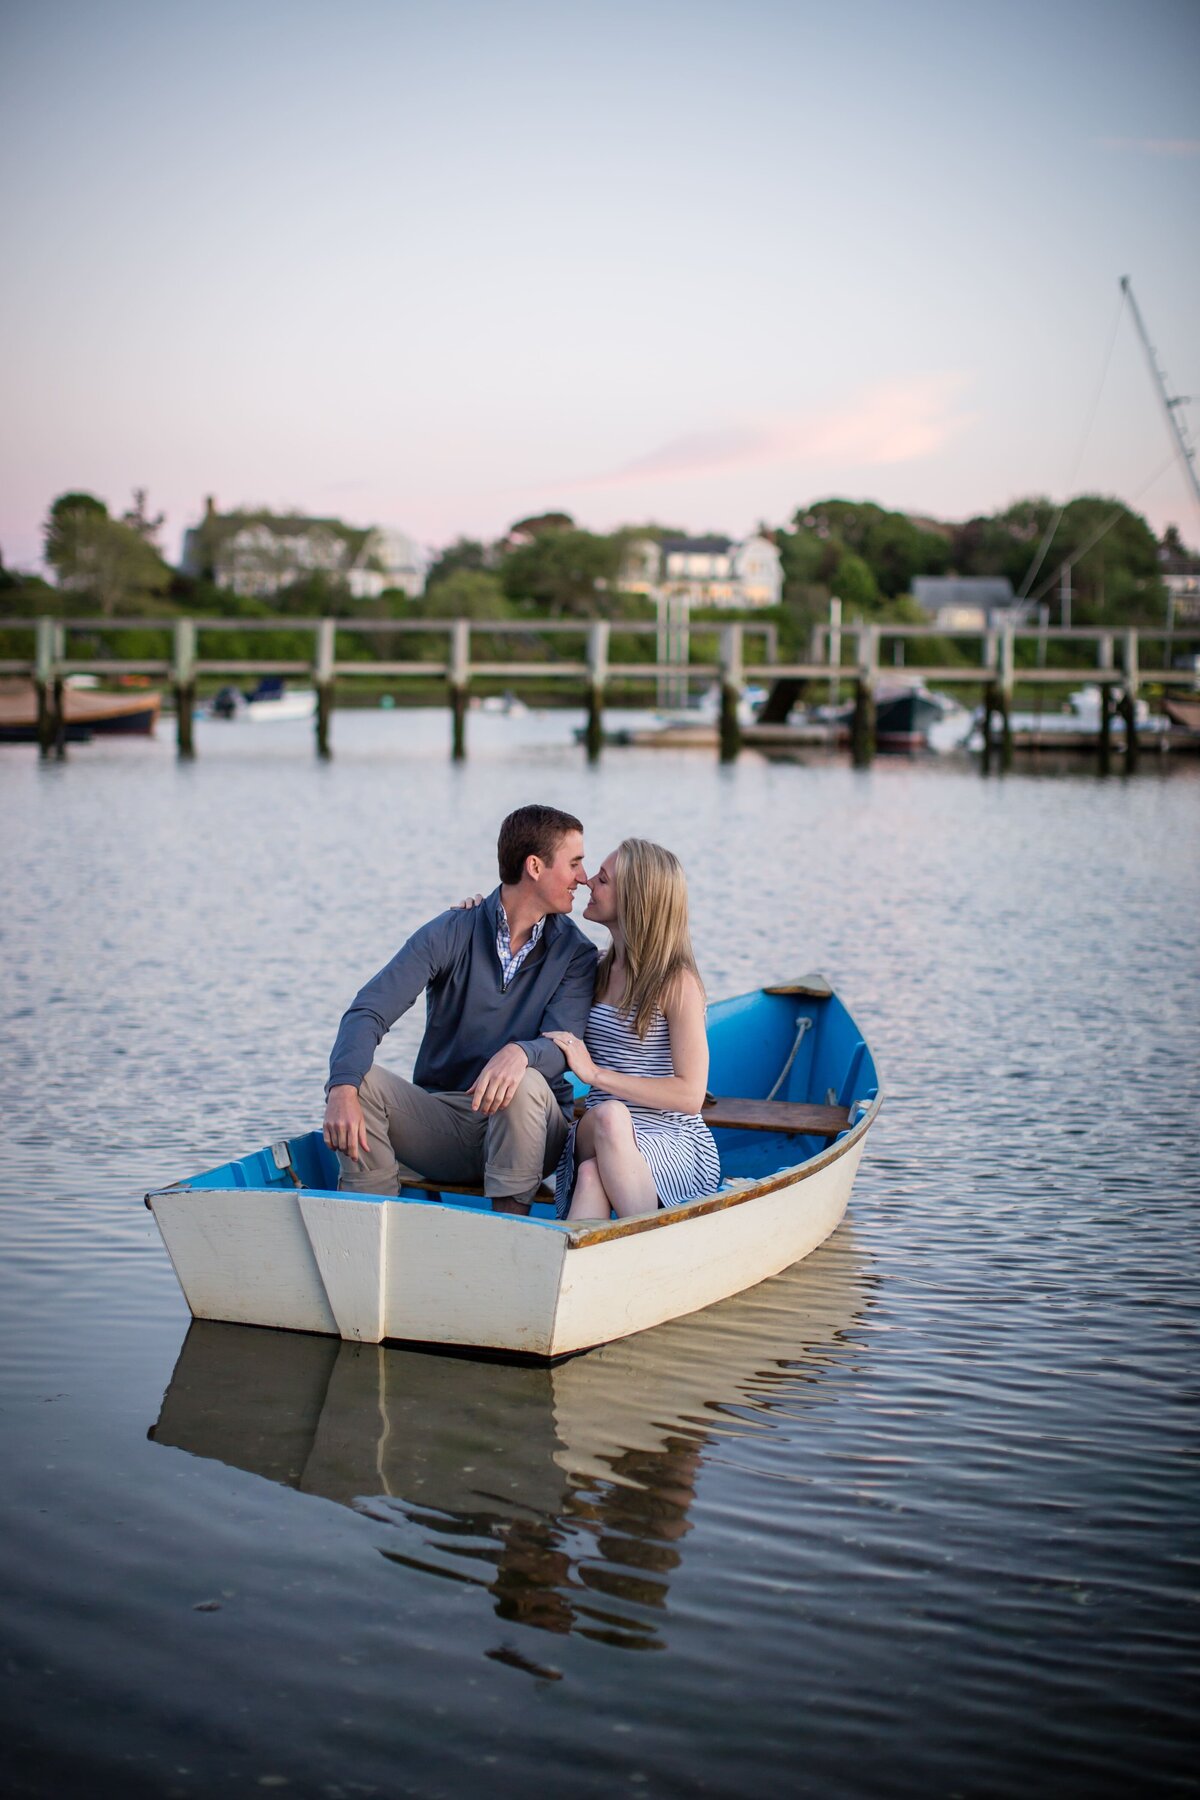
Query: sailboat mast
1171	407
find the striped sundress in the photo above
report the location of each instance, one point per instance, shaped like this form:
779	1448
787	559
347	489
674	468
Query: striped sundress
679	1147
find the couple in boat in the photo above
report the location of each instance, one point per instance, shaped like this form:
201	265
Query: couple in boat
517	995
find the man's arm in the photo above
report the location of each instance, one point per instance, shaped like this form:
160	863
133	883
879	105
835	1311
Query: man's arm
386	998
370	1015
567	1010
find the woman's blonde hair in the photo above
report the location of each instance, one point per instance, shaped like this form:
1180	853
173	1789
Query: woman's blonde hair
652	913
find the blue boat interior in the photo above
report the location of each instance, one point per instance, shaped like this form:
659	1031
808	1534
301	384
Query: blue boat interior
762	1045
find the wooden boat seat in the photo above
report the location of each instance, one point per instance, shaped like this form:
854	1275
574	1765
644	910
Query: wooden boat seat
787	1116
473	1190
724	1113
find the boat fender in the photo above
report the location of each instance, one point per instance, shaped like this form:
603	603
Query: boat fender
283	1160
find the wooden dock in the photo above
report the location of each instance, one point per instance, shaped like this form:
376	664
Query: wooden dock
845	660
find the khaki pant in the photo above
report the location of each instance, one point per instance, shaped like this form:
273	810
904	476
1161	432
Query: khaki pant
438	1137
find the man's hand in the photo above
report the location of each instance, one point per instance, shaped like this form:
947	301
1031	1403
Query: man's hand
498	1080
345	1127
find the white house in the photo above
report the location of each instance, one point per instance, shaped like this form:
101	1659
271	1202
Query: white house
1181	578
705	571
388	559
967	603
260	553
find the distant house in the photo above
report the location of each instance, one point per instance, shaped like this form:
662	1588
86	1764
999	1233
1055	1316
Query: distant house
706	571
388	559
1181	578
968	603
258	554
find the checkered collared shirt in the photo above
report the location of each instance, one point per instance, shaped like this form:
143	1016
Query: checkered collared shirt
510	963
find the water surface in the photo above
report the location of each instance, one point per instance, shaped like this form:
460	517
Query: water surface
919	1515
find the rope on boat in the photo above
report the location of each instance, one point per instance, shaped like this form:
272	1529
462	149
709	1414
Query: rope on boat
802	1026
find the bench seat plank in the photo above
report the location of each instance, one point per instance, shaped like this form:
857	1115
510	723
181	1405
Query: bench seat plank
471	1189
724	1113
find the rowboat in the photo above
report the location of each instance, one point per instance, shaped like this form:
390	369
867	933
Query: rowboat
85	714
269	1239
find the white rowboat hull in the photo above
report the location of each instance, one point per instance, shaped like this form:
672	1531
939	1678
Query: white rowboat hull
370	1269
269	1240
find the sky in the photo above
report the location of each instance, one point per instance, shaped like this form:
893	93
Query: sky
701	262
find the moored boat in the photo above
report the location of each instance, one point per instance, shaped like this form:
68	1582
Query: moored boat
269	1240
1183	713
908	717
1077	725
269	702
86	713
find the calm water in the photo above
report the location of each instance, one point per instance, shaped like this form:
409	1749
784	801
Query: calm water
919	1516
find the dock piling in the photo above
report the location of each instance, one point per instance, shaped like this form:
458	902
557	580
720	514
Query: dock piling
597	657
51	732
1106	713
460	676
183	676
1129	697
729	736
862	731
1007	667
323	681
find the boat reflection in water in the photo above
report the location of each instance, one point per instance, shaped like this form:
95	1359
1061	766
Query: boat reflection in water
564	1491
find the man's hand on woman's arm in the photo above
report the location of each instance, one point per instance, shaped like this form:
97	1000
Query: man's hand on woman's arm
345	1127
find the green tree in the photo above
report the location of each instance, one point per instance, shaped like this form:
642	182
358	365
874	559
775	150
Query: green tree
467	594
854	584
1115	572
463	553
540	523
139	520
894	547
100	558
565	572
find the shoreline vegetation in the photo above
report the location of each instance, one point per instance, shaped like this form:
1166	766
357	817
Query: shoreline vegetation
547	567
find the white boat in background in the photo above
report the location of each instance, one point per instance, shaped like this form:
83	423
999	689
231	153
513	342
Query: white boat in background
268	703
508	705
269	1240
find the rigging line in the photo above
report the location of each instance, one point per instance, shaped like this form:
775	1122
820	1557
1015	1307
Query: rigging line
1048	539
1077	555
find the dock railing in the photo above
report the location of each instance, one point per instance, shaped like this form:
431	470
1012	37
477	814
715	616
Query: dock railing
856	657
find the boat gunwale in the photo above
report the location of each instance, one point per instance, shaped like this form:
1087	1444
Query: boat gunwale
580	1237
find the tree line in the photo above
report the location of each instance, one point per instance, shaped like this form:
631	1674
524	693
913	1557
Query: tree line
548	566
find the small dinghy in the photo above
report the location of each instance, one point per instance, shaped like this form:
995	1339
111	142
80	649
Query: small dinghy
269	1240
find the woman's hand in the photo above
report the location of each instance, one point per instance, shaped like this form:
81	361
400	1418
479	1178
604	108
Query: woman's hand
465	905
579	1059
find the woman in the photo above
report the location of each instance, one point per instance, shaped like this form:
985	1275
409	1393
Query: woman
641	1142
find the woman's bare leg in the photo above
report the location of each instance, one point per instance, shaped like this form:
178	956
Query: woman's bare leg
624	1172
589	1200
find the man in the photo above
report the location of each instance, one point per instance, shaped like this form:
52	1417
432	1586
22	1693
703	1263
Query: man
489	1100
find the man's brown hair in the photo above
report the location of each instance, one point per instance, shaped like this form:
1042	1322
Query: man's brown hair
531	831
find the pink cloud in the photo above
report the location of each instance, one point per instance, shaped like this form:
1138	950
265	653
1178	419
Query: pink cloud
893	422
